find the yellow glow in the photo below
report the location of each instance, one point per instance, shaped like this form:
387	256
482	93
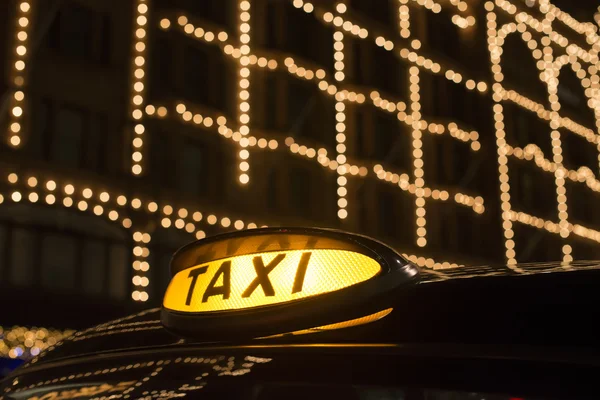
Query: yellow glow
367	319
284	276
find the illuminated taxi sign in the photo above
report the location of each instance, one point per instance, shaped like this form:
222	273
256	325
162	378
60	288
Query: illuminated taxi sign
266	278
263	282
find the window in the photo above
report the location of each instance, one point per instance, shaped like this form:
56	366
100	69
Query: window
520	70
524	127
196	74
309	113
536	245
532	190
272	104
380	11
68	138
94	267
161	67
387	72
443	170
72	31
58	262
362	198
118	281
23	249
272	190
162	159
386	210
96	144
105	45
358	70
452	161
63	251
42	128
442	34
3	251
300	190
360	149
192	178
582	204
392	142
301	104
307	38
77	31
273	38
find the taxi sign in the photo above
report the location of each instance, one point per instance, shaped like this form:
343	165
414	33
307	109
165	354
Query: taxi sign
266	278
263	282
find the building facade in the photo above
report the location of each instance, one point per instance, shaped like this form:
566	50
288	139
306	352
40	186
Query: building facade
458	131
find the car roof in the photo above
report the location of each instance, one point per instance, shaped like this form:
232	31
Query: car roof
551	304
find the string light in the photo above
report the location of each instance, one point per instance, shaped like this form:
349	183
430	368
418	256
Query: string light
417	147
333	86
403	182
140	266
404	18
340	128
243	82
549	66
498	109
20	60
87	202
138	84
341	95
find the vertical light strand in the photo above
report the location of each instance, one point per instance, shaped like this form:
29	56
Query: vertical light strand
17	72
417	143
140	36
140	279
404	18
550	75
244	89
340	127
495	50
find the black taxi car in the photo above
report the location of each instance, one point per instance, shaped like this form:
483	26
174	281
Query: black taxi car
317	314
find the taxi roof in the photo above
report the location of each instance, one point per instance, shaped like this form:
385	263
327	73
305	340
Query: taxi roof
549	304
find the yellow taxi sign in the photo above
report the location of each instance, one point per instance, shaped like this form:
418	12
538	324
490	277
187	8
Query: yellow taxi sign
262	282
268	278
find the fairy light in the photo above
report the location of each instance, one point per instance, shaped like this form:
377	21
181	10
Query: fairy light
505	205
96	201
404	18
549	66
340	128
559	174
18	73
403	182
140	266
115	206
138	82
417	153
243	88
